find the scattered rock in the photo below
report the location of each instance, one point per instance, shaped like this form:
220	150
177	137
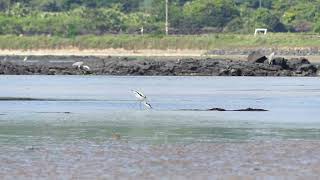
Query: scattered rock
307	67
294	63
279	61
116	136
256	57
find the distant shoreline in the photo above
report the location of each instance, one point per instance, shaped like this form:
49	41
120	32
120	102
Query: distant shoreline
225	44
103	52
166	54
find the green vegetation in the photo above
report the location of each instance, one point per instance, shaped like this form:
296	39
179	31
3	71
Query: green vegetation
136	42
194	24
69	18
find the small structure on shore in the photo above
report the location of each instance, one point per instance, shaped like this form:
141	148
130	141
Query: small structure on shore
260	31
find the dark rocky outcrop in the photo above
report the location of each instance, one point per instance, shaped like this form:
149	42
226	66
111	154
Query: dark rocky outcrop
292	67
221	109
216	109
251	109
257	57
279	61
52	65
294	63
247	109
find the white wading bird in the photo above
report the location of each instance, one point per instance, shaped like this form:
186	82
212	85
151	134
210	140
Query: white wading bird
25	59
142	98
270	57
77	64
80	66
85	67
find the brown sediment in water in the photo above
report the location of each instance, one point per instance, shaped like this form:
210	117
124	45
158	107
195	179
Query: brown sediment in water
120	160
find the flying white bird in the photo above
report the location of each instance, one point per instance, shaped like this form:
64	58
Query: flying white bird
142	98
147	105
139	95
77	64
270	57
25	59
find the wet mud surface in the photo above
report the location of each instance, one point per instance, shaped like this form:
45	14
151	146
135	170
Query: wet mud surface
118	159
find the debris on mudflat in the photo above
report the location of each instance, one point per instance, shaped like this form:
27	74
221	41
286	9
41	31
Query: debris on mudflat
116	136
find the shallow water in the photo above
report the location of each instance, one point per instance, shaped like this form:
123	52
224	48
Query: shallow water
95	107
84	127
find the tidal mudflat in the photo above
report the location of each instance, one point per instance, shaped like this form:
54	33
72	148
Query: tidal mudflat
125	160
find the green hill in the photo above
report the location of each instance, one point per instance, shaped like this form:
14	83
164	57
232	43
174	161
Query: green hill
69	18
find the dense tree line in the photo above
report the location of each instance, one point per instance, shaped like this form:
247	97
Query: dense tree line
76	17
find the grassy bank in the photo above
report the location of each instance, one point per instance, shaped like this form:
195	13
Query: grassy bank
130	42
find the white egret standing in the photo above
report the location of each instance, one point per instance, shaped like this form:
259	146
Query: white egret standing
141	97
77	64
86	68
270	57
25	59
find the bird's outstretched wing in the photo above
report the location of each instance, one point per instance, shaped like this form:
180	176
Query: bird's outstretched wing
138	94
148	105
